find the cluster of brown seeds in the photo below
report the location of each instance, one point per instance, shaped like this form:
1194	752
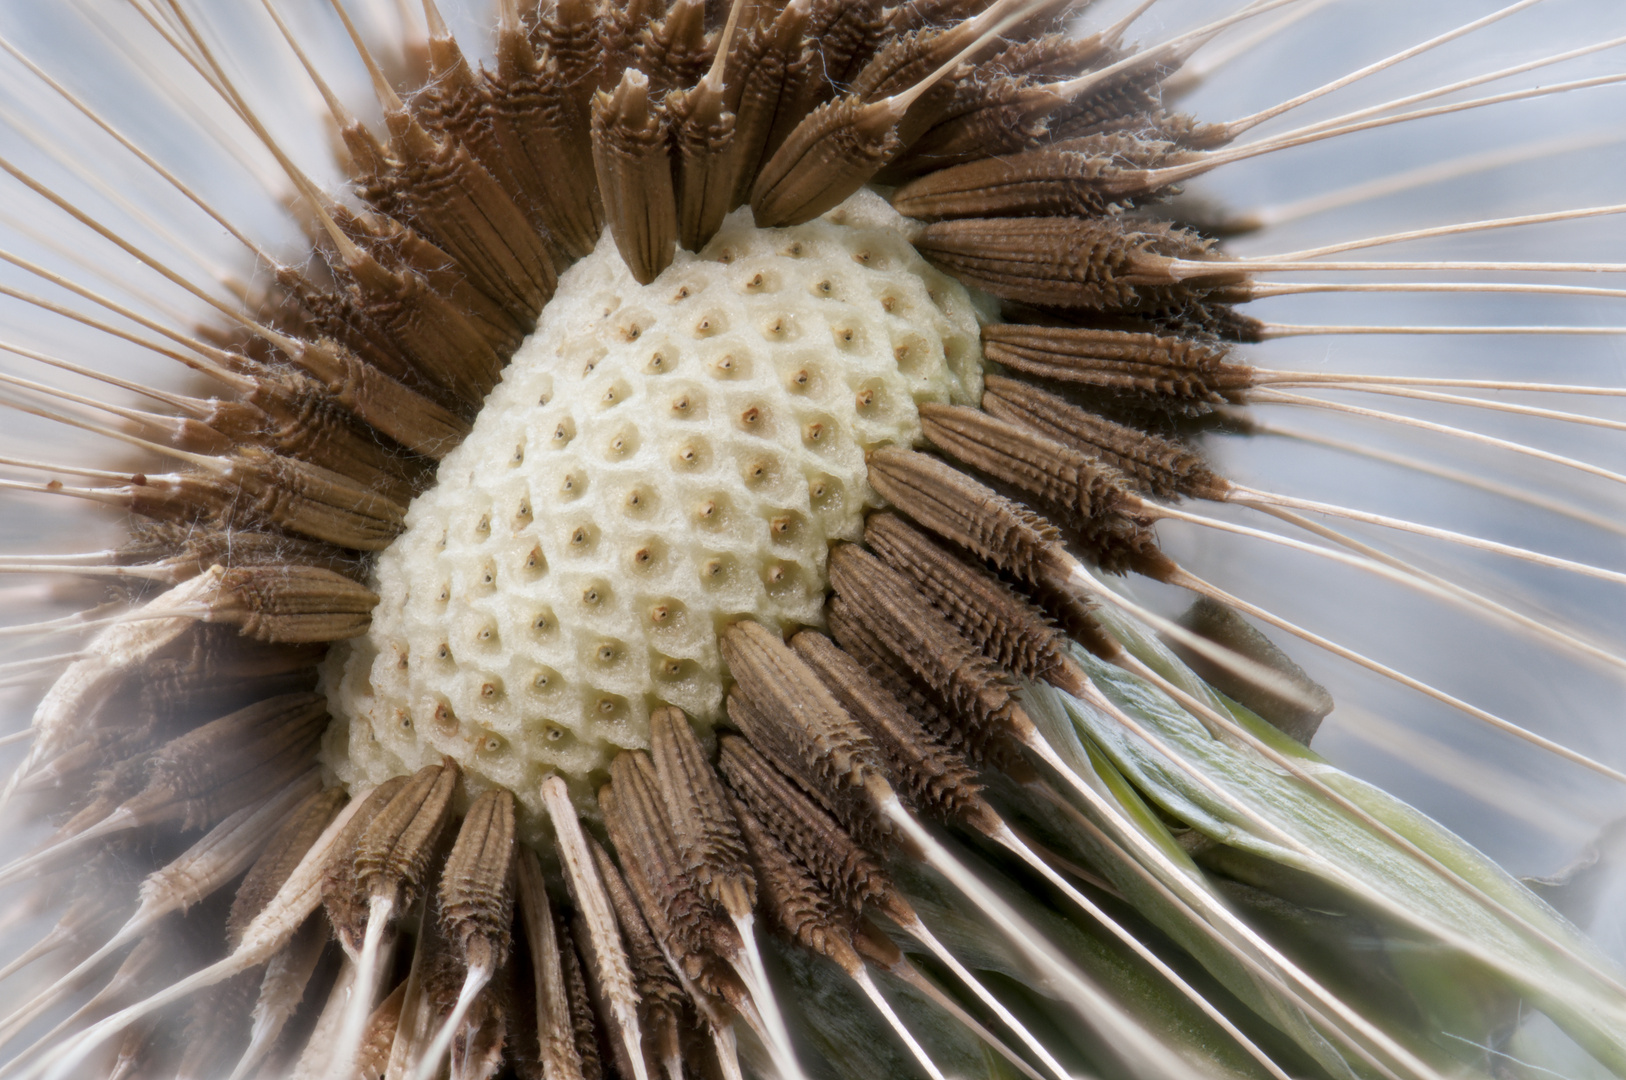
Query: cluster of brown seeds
367	935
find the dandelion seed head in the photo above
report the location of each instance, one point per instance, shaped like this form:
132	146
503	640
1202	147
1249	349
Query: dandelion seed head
659	461
518	428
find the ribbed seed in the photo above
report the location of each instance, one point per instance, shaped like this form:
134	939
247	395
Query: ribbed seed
968	93
1080	177
840	37
282	853
794	719
253	489
287	412
1150	462
856	638
1088	496
749	717
927	773
570	33
292	604
904	61
398	245
1055	55
299	307
620	24
674	51
703	139
907	60
444	345
1015	632
850	873
795	903
454	201
199	778
634	168
454	105
827	157
540	110
393	853
1084	489
583	1027
1095	264
958	508
477	882
390	860
1125	101
692	929
984	610
768	51
402	249
417	422
556	1049
707	834
594	924
1001	114
342	896
1161	367
979	694
802	90
661	1001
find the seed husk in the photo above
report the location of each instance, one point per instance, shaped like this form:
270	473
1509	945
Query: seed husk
1159	366
1152	463
630	155
931	776
1095	264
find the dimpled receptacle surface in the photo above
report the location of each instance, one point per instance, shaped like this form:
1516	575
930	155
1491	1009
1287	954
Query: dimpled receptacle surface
657	462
